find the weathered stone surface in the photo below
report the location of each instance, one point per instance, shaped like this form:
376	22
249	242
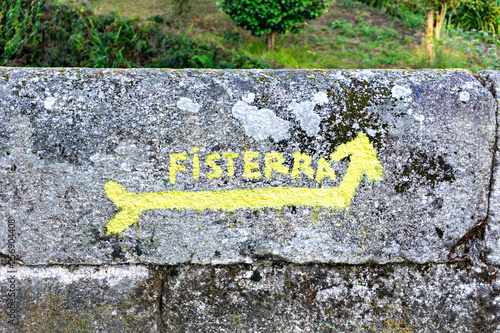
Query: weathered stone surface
65	132
492	235
305	298
83	299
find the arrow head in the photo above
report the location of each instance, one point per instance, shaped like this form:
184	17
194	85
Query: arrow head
124	200
364	158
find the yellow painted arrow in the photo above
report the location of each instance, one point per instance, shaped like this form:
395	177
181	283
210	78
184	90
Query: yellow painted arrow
363	161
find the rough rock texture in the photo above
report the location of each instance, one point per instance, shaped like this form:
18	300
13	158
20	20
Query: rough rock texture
360	201
270	297
491	80
81	299
65	132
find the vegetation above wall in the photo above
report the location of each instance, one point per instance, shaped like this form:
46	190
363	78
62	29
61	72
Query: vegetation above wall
188	33
44	33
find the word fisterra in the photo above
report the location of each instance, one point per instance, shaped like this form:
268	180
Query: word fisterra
363	161
273	162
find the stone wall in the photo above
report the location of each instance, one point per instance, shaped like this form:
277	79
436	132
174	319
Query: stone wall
249	200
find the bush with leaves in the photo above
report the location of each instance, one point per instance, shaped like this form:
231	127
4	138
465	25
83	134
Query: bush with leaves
269	17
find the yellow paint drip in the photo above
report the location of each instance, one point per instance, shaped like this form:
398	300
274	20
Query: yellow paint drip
315	215
363	161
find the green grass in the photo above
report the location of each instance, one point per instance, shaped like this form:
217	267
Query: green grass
330	326
129	8
409	13
342	45
475	50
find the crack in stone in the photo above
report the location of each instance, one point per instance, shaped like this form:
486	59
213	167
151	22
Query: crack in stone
471	247
162	277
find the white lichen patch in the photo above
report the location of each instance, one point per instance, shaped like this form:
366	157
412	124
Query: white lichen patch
188	105
49	103
400	92
371	132
464	96
320	98
112	275
248	99
304	112
261	123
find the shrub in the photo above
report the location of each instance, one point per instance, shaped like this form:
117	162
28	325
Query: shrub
269	17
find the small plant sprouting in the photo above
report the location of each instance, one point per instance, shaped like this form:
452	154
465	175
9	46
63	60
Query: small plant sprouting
330	326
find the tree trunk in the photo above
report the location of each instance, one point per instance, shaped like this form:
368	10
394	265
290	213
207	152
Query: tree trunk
439	22
429	35
270	40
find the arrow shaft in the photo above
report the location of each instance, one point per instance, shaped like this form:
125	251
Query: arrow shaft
231	200
132	205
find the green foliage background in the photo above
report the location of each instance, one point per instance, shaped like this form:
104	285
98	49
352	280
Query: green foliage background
193	33
478	15
465	14
43	33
